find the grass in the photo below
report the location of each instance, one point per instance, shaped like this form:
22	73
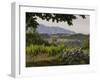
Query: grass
47	60
59	54
40	60
43	58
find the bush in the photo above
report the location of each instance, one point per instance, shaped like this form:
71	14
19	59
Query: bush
74	56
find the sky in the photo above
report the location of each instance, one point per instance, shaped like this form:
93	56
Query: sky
80	25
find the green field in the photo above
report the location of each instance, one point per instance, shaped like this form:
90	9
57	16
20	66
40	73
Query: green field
56	49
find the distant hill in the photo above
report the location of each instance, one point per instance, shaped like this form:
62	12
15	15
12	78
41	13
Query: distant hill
77	36
43	29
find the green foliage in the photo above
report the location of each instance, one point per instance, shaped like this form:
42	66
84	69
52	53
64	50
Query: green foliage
74	56
85	44
42	49
35	38
67	56
32	17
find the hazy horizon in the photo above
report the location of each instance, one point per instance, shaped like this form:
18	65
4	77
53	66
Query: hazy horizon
80	25
62	28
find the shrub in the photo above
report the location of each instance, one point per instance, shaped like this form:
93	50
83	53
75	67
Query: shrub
74	56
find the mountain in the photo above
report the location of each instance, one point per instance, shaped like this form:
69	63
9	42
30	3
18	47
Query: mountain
43	29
